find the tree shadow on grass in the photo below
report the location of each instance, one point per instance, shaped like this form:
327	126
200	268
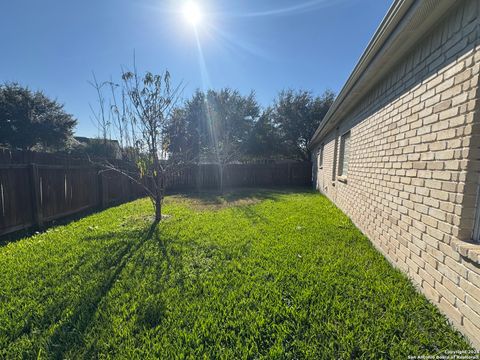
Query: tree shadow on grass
50	299
69	334
254	216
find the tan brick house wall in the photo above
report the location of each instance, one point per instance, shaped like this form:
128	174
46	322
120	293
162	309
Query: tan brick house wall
413	167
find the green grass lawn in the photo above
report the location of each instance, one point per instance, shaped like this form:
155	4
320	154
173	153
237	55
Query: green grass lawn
252	274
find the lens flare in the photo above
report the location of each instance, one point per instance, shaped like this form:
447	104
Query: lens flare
192	13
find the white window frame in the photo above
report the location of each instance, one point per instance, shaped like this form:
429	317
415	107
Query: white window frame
344	156
320	157
476	225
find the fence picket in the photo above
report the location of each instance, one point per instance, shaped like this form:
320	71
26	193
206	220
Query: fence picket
36	188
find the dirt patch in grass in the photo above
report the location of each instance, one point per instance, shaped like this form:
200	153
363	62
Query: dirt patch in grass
214	200
210	204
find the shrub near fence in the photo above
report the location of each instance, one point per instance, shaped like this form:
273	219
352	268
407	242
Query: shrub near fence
38	188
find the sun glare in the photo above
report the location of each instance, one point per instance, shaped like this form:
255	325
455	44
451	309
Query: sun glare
192	13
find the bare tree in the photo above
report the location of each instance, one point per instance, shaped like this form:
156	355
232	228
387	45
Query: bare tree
225	152
140	117
230	120
101	113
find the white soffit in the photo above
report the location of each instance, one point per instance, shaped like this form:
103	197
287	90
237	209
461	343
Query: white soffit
406	22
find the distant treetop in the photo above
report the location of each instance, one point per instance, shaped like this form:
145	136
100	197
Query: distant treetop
30	120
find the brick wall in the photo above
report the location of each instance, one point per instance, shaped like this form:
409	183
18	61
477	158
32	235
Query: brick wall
413	171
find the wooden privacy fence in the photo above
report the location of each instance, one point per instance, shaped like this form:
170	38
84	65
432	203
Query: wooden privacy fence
34	194
207	176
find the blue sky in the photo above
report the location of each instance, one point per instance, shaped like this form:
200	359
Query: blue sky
265	46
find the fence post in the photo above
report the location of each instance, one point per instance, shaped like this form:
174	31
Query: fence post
36	195
102	193
197	173
289	170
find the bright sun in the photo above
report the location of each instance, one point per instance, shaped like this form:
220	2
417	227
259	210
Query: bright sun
192	13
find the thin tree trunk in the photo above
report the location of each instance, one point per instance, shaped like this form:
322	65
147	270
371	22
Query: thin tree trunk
158	198
158	188
158	207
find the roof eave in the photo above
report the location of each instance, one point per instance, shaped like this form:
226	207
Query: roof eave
398	32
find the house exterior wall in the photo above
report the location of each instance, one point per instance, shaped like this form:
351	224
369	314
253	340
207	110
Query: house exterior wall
412	178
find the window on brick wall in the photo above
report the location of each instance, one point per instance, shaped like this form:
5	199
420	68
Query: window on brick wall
476	228
344	154
320	157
